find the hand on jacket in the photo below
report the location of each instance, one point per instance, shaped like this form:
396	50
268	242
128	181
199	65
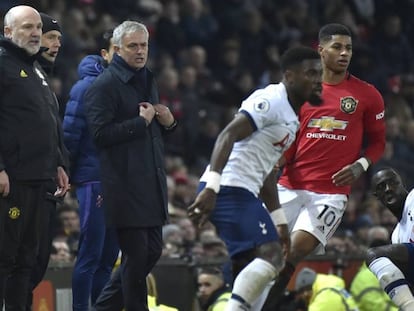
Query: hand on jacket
147	111
163	115
4	183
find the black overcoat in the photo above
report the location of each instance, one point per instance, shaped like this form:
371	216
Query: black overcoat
131	154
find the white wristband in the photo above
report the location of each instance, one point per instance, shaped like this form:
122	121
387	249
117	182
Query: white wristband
213	181
278	217
364	162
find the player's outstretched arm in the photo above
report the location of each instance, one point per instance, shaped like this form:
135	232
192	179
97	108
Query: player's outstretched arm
238	129
269	195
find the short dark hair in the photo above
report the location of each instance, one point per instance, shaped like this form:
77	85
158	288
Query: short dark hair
296	55
106	39
329	30
211	270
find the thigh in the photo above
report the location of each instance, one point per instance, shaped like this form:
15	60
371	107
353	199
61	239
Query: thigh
292	202
22	223
241	220
91	213
321	215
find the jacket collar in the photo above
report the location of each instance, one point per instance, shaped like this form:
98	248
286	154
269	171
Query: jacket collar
124	71
17	51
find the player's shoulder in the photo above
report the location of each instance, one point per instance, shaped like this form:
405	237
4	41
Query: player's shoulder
270	92
362	84
271	97
410	198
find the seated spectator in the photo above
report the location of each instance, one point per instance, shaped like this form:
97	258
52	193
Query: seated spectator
173	241
323	292
213	293
61	252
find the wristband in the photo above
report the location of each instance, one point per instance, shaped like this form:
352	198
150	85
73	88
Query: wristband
364	162
174	124
213	181
278	217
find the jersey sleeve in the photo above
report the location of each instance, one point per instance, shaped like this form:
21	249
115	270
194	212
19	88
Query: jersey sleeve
260	110
374	126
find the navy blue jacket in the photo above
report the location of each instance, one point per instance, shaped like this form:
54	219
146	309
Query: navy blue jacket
131	154
82	150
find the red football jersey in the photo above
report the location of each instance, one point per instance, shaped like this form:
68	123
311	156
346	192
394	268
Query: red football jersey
331	136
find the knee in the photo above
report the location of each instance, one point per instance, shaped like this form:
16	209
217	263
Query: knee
272	253
371	255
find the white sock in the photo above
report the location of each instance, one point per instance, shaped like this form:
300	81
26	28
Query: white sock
250	283
408	306
393	281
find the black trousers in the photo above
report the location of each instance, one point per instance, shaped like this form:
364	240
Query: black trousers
22	219
141	248
44	250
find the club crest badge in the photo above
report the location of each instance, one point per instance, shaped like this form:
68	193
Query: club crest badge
348	104
14	212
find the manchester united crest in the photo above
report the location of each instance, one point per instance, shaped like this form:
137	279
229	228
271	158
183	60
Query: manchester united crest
348	104
14	212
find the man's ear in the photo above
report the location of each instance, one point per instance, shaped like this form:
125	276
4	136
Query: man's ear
320	48
104	53
7	32
289	75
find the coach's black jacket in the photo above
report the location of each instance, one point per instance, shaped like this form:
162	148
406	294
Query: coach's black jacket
131	154
29	136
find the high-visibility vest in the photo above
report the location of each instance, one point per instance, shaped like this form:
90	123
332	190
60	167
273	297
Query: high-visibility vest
329	294
220	303
368	294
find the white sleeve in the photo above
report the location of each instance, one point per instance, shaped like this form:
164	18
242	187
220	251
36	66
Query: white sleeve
262	111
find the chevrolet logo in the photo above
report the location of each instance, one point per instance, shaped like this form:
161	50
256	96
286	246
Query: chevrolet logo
328	124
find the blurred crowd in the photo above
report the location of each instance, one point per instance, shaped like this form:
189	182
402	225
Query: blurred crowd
208	55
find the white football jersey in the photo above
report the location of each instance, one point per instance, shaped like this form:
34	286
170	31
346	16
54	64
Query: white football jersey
253	158
404	230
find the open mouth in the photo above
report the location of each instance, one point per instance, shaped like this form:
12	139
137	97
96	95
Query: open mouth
390	199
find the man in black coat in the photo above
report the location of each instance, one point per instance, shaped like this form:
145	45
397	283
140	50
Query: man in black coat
32	160
127	125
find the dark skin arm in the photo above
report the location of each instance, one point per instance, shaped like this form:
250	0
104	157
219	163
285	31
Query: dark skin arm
348	174
238	129
269	195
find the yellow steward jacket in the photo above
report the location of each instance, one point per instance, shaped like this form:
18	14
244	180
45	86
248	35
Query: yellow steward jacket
220	303
329	294
367	292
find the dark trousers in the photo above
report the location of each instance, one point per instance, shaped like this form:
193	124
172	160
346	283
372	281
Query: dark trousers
98	248
22	220
141	248
45	248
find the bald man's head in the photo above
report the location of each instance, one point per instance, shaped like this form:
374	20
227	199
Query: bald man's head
23	26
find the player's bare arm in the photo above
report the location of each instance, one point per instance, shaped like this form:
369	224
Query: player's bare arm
350	173
270	198
238	129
